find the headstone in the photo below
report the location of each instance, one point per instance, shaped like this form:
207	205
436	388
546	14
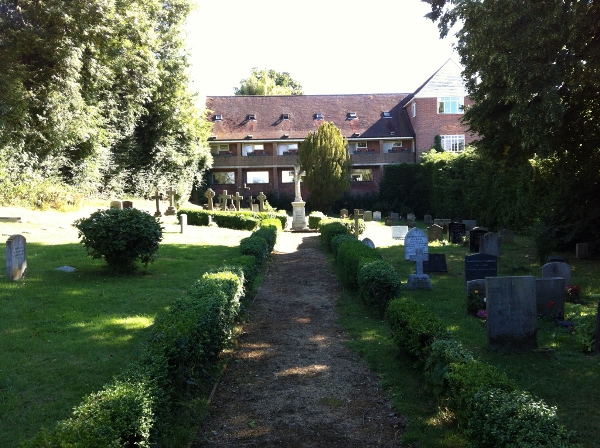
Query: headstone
357	215
435	233
116	204
368	216
474	237
476	288
419	280
389	221
557	269
415	239
377	216
395	216
399	233
127	204
508	236
470	224
428	220
489	244
557	258
16	257
66	269
436	263
210	194
344	213
511	313
237	199
223	198
411	222
261	201
442	223
255	208
158	197
183	222
171	211
581	251
550	297
250	203
456	232
368	242
411	216
479	266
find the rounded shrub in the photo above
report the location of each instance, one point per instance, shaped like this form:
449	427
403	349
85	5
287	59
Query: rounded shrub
269	233
378	283
443	353
338	240
351	256
256	246
121	237
329	230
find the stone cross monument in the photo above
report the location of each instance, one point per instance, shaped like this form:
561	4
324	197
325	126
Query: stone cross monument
171	211
210	194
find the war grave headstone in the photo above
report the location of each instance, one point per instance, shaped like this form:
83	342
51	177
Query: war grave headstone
399	233
456	232
127	204
368	216
210	194
419	280
415	238
368	242
474	237
395	216
550	297
557	269
470	224
158	197
435	233
377	216
508	236
183	222
581	251
511	313
116	204
480	266
16	257
436	263
344	213
489	244
428	220
171	211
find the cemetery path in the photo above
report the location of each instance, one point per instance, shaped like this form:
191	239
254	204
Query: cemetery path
291	381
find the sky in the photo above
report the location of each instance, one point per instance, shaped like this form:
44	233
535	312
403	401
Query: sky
328	46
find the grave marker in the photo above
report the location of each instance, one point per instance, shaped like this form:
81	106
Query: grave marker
489	244
344	213
127	204
456	232
470	224
223	198
428	220
261	201
377	216
238	199
480	266
171	208
368	242
550	297
356	217
16	257
116	204
395	216
474	237
368	216
435	233
581	251
399	233
557	269
158	196
436	263
389	221
183	222
415	239
210	194
419	280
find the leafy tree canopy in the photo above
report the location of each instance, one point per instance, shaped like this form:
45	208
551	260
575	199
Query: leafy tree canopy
268	82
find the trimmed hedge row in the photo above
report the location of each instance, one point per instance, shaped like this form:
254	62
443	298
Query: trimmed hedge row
231	220
493	411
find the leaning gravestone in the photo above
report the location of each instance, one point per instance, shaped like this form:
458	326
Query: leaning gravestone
474	238
368	216
557	269
456	232
399	233
511	313
436	263
480	266
415	239
376	216
16	257
489	244
435	233
550	297
419	280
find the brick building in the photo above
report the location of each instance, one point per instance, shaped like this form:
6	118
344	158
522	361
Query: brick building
255	139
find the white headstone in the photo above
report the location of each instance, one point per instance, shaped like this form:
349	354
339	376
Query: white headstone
399	233
376	216
415	238
419	280
16	257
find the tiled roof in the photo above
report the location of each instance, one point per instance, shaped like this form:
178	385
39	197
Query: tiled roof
302	109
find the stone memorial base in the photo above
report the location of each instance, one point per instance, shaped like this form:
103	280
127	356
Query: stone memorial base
418	281
299	217
171	211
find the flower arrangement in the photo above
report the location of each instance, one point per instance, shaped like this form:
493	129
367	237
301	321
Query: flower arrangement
572	293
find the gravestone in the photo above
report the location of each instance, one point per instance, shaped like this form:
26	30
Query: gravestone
223	198
16	257
419	280
489	244
456	232
470	224
368	216
171	211
389	221
395	216
158	197
435	233
474	237
127	204
210	194
436	263
411	216
511	313
508	236
443	223
377	216
66	269
480	266
368	242
183	222
415	239
557	269
557	258
399	233
261	201
581	251
428	220
116	204
237	199
357	215
550	297
344	213
411	222
476	288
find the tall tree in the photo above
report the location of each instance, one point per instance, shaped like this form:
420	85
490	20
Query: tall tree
268	82
533	71
324	156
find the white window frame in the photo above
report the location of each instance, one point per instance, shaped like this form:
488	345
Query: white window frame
250	180
287	177
453	143
284	147
450	105
220	148
249	148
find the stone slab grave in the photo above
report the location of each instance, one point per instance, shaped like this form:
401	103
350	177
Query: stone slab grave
550	297
377	216
16	257
456	232
436	263
399	233
508	236
470	224
480	266
10	219
511	313
474	237
557	269
415	239
368	216
435	233
489	243
419	280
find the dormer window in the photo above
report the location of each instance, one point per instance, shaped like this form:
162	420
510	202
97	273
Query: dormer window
387	115
285	116
251	117
218	117
392	132
318	116
351	116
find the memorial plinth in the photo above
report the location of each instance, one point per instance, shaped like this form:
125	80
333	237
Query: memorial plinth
299	216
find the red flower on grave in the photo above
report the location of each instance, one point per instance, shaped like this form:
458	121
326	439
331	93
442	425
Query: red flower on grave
551	304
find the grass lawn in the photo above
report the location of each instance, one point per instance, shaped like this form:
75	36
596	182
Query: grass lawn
64	335
563	377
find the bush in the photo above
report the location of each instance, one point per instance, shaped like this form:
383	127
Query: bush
249	266
351	256
256	246
414	327
378	283
314	219
329	229
516	420
338	240
269	233
121	237
231	220
443	353
585	331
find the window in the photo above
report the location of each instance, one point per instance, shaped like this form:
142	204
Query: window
287	177
216	149
287	148
414	109
223	177
351	116
387	115
318	116
453	143
361	145
450	105
285	116
257	177
251	117
357	146
218	117
362	175
249	149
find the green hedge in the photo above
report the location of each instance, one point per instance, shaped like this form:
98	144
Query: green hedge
338	240
314	220
378	284
256	246
231	220
351	256
330	229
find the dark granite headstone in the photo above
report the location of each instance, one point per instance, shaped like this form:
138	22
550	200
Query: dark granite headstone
436	263
474	237
456	232
480	266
